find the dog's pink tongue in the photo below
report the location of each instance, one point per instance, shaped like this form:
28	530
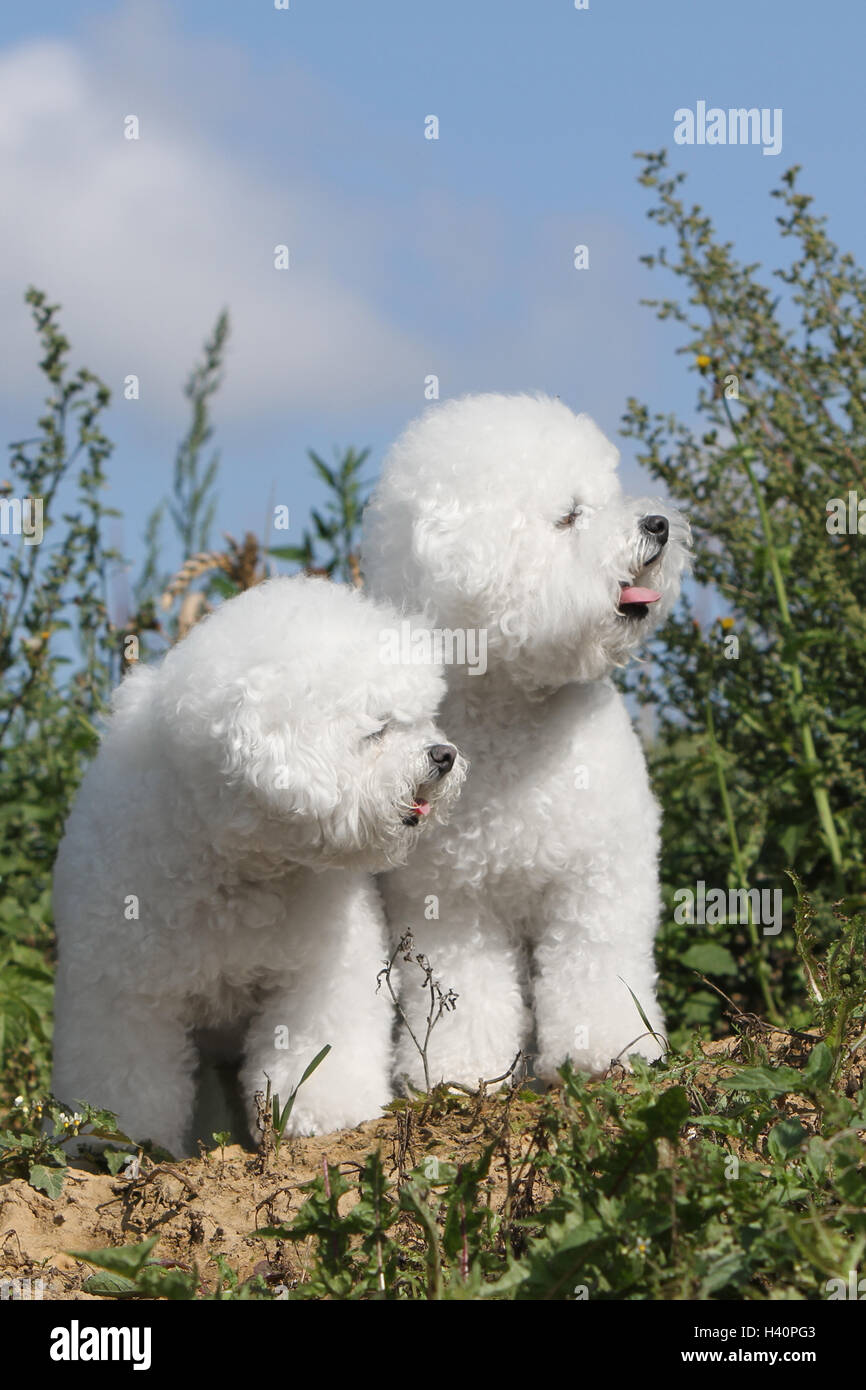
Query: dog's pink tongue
632	595
422	807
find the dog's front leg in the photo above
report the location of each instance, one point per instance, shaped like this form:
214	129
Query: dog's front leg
480	1018
322	989
593	944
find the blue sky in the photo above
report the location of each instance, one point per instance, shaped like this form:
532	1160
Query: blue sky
408	256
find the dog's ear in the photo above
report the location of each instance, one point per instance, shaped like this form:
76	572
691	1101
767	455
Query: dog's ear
266	747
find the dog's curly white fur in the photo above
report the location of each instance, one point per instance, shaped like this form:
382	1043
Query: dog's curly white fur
216	864
505	513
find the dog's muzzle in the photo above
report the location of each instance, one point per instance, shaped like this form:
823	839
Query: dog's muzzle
442	757
654	528
634	602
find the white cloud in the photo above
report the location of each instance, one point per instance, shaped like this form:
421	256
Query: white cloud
395	273
145	241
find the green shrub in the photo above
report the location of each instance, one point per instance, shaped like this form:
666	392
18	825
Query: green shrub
779	725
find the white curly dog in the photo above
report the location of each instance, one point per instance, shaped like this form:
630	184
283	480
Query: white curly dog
504	517
215	871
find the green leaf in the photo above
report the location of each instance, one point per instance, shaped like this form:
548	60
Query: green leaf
733	1269
48	1180
317	1061
110	1286
156	1282
119	1259
665	1117
819	1067
710	959
784	1138
817	1158
326	530
324	472
643	1018
97	1131
295	553
773	1081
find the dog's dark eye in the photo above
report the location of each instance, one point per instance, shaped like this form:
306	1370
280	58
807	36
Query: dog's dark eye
571	518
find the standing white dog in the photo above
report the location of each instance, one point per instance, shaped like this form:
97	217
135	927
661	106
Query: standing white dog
504	514
215	867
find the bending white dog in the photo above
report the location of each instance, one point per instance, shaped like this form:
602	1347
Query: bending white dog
505	514
215	864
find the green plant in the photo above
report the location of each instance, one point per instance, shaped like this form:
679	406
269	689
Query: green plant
766	690
280	1115
730	1174
439	1001
128	1271
338	528
432	1238
40	1156
837	983
222	1137
52	600
192	506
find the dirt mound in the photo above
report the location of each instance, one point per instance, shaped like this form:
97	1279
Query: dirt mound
207	1207
205	1210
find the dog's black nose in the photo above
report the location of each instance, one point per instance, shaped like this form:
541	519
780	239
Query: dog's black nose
442	757
656	526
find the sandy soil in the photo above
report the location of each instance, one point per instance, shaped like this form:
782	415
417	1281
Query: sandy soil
205	1207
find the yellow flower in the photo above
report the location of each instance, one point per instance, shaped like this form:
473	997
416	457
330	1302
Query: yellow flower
703	361
727	623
